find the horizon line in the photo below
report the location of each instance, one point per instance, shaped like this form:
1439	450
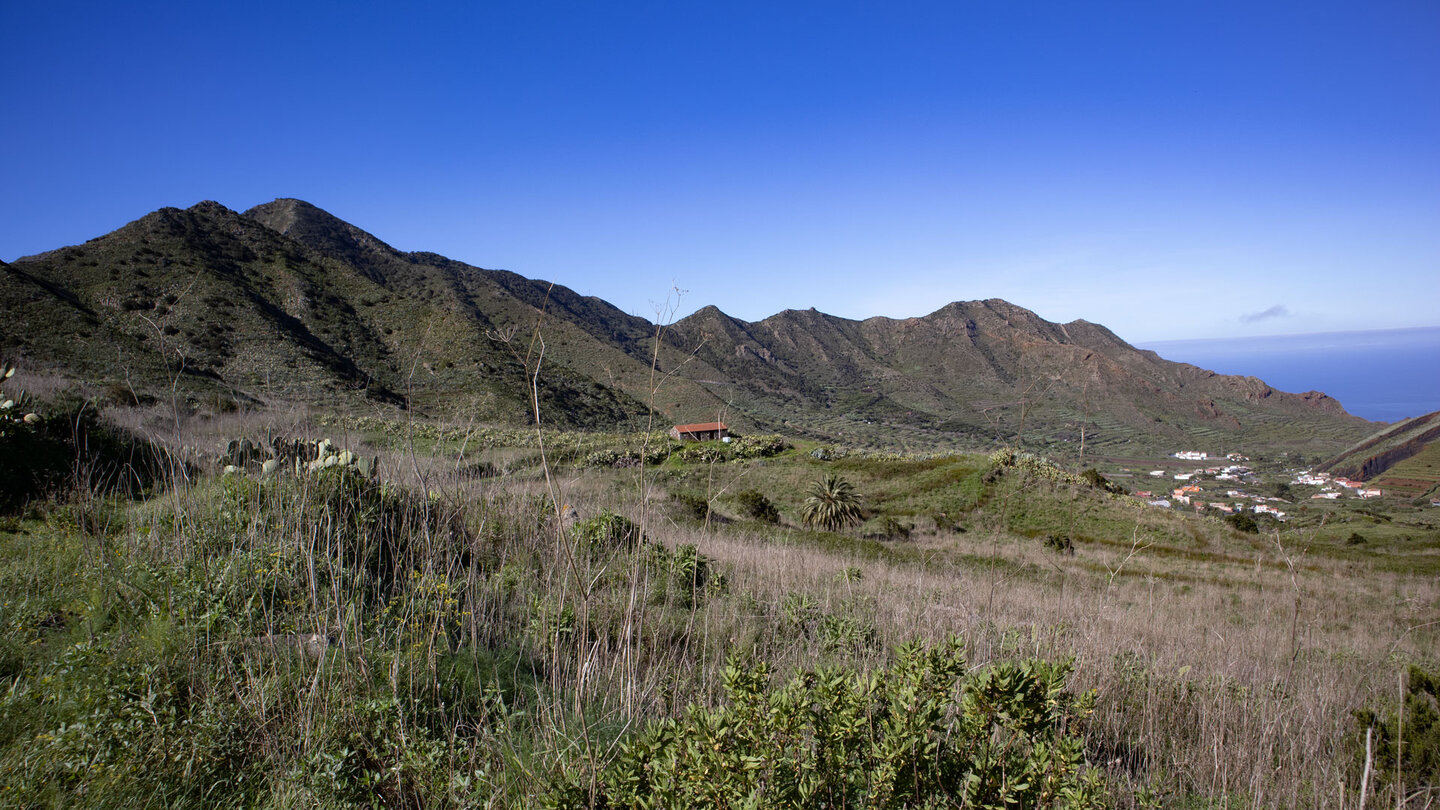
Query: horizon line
1338	332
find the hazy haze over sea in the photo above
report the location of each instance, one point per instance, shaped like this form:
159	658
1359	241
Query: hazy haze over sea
1384	374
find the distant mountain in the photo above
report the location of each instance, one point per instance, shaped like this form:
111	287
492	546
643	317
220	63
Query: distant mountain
991	369
286	302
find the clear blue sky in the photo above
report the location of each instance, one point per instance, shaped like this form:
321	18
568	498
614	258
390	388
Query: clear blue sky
1169	169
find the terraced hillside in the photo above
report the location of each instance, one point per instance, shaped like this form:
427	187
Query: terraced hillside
1416	477
1403	459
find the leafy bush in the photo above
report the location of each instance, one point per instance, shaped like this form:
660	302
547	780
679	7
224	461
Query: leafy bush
758	446
116	727
1060	543
606	458
691	573
945	523
704	453
801	611
608	530
922	733
32	462
119	393
893	529
45	448
1243	521
754	504
480	469
1029	464
1418	746
1093	477
692	506
846	634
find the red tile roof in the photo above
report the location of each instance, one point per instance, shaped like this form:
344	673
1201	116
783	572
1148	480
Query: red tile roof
700	427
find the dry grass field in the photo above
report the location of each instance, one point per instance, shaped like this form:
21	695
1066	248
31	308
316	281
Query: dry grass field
472	627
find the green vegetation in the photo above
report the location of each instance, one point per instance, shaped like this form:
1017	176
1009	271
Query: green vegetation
1403	737
1243	521
923	732
46	448
755	505
210	309
436	614
831	504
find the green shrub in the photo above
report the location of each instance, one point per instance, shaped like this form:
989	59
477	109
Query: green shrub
1243	521
479	469
944	523
1036	467
1093	477
845	634
476	684
45	448
607	458
691	573
924	732
801	611
893	529
692	506
1060	543
758	446
754	504
704	453
119	393
116	729
608	530
1419	743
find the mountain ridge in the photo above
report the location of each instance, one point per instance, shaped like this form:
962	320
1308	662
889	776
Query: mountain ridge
287	300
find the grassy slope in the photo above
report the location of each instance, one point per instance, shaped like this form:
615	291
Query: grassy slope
452	675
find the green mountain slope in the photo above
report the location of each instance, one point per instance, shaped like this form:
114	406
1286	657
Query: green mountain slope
286	302
498	312
992	369
212	300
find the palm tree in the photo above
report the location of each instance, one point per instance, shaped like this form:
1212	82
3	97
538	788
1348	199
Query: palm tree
831	504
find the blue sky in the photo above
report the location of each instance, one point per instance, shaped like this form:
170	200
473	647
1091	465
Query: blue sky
1172	170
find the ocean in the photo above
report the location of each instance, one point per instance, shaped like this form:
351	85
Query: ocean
1384	374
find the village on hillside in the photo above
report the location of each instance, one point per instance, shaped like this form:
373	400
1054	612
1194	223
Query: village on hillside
1229	488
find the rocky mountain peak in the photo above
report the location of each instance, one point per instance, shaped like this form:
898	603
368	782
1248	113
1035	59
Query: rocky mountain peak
320	230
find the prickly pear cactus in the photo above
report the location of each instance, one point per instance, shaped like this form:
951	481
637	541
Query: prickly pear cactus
301	457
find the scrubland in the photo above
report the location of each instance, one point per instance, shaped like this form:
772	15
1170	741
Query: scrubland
504	618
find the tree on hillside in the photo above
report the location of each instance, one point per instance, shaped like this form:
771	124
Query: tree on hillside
831	504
